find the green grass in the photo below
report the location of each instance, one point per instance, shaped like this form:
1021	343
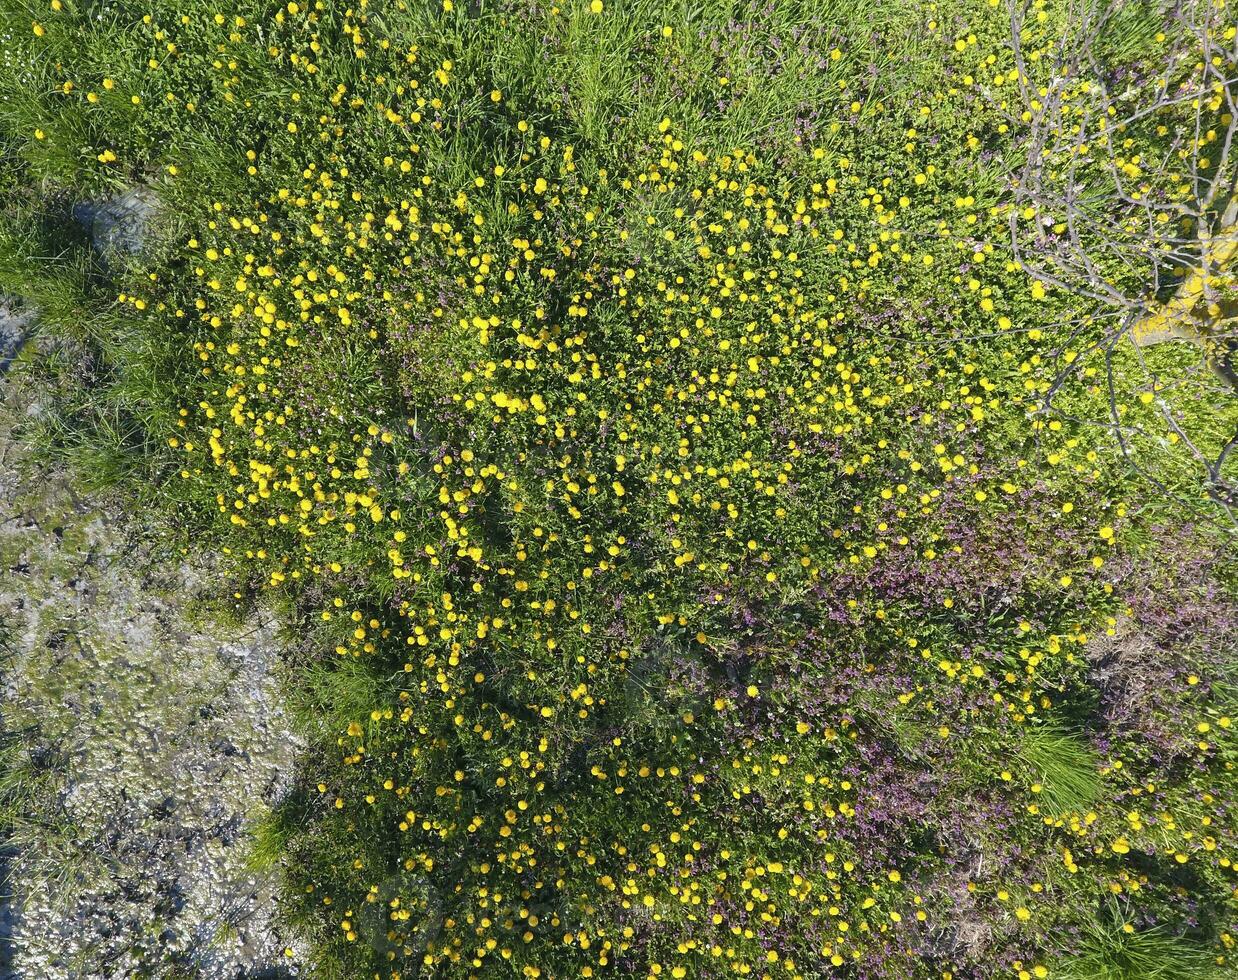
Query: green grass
1116	954
1066	769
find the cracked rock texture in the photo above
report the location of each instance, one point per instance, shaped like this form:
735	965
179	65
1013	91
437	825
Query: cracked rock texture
140	740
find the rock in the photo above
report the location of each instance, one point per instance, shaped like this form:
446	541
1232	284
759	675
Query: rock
157	738
119	225
15	327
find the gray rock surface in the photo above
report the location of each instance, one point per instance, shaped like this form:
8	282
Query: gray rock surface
143	739
15	326
118	225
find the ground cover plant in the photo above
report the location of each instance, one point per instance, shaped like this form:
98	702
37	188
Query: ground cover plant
748	485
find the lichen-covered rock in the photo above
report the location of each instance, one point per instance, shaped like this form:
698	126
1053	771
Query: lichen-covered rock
146	740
